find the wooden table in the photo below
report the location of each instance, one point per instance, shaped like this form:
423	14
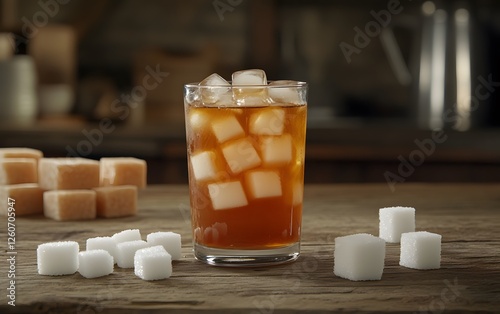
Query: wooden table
466	215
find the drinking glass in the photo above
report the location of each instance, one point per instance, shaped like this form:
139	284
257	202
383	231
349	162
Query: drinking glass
246	149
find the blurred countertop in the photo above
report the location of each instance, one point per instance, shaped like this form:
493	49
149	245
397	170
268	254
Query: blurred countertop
466	215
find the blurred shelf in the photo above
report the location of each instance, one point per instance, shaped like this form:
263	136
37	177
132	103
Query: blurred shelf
382	143
336	152
333	141
92	139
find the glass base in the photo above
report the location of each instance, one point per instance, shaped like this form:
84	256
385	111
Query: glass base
246	258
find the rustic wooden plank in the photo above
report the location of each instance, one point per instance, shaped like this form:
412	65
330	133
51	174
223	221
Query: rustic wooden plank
467	215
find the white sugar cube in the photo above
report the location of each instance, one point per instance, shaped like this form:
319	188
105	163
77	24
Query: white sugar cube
262	184
359	257
241	155
102	243
127	235
268	121
276	150
286	91
95	263
249	77
227	128
203	165
57	258
126	251
420	250
227	195
393	221
215	89
153	263
170	241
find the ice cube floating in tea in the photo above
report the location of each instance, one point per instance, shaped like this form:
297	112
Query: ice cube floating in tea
246	160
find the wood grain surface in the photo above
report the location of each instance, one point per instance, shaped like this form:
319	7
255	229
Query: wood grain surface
466	215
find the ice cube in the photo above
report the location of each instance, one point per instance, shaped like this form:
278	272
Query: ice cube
249	77
249	96
246	100
213	233
227	128
285	91
236	111
210	234
241	155
227	195
214	79
215	90
197	234
203	165
198	119
269	121
262	184
221	228
276	150
298	193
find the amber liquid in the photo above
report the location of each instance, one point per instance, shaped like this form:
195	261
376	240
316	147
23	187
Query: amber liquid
264	223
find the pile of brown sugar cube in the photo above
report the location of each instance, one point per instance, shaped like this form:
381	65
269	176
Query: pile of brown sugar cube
69	188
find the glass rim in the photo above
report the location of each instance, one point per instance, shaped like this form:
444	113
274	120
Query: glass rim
296	84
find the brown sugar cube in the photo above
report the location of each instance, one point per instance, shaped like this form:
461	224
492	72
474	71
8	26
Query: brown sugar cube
20	152
68	173
116	201
26	199
18	170
65	205
123	171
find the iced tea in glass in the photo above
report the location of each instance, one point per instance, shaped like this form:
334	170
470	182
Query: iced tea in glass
245	148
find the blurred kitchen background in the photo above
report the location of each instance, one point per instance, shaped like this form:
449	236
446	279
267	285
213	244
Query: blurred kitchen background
104	78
